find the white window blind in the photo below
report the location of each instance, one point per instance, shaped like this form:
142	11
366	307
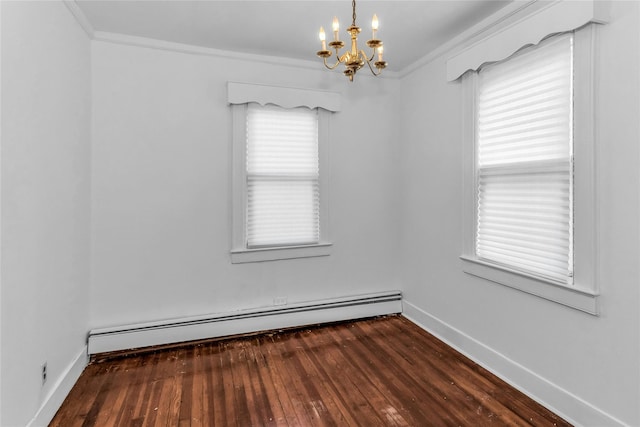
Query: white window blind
525	161
282	176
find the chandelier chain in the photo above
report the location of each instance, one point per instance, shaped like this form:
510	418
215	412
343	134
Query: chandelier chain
353	5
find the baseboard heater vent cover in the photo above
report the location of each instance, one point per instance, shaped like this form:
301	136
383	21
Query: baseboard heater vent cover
241	322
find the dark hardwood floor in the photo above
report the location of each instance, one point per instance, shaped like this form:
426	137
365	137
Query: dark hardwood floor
375	372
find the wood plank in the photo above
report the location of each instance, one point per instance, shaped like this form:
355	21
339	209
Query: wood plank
235	405
198	390
293	379
187	375
422	398
144	388
374	372
272	406
243	380
102	404
281	383
320	407
325	374
357	389
400	407
131	396
216	397
81	397
114	397
429	396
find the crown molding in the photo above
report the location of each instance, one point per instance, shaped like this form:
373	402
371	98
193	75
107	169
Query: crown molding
125	39
80	17
150	43
467	36
458	41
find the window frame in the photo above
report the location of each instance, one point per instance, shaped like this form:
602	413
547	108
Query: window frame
240	253
582	294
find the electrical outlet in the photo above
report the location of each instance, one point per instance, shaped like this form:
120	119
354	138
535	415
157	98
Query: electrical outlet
280	301
44	373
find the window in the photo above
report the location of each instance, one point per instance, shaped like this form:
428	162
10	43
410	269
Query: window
529	195
282	177
524	161
280	180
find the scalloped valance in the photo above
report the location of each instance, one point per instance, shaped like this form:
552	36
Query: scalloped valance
528	26
286	97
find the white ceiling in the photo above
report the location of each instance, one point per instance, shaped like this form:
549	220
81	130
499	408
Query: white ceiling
409	29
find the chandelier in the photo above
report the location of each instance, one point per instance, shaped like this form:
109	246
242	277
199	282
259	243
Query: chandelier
355	58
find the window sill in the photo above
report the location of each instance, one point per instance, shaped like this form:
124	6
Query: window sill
574	296
240	256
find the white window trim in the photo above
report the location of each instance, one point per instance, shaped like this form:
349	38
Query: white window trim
583	293
239	95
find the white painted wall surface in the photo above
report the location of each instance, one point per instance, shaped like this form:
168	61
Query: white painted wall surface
157	221
161	188
45	201
593	358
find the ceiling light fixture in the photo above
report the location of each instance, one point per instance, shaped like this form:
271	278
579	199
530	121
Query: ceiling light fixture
355	58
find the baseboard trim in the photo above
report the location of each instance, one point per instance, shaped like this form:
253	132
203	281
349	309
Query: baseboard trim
562	402
60	390
242	322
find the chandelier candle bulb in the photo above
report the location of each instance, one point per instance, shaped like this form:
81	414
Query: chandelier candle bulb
336	28
374	25
380	51
323	39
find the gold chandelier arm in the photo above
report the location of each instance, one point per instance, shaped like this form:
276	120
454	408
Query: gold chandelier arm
331	67
364	55
371	68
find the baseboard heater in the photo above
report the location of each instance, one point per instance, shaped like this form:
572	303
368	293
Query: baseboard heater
244	321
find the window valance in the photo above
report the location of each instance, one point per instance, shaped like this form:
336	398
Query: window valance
527	26
243	93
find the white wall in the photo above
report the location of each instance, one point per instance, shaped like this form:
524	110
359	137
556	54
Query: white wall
158	172
161	188
45	201
593	358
